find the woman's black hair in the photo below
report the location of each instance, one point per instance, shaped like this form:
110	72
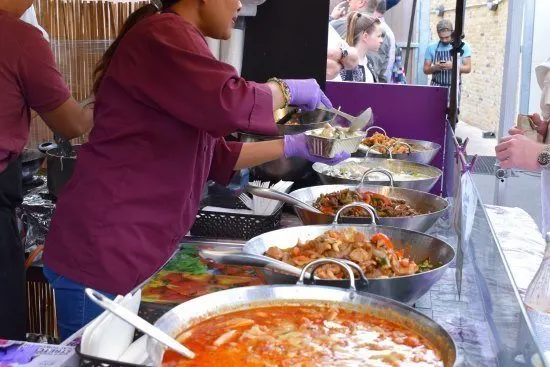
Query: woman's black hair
145	11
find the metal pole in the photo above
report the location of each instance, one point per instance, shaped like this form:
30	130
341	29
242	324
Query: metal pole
423	41
457	48
527	56
510	83
510	72
409	40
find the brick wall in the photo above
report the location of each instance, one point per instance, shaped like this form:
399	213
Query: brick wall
486	34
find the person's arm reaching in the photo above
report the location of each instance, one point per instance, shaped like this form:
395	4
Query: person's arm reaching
254	154
229	157
70	119
46	93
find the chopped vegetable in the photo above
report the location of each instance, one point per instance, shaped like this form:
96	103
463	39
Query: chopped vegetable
186	261
426	265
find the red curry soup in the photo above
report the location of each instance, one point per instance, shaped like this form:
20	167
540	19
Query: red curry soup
302	336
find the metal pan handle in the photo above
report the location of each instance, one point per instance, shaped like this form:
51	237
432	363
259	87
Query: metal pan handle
398	143
317	263
377	128
388	150
365	206
364	280
377	170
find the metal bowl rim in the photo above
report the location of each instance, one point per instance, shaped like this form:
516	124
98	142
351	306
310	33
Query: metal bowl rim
435	146
316	167
53	152
439	331
439	198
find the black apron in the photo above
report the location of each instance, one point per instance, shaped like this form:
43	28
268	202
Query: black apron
13	304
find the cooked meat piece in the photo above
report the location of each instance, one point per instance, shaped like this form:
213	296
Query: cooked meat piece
359	255
321	247
275	253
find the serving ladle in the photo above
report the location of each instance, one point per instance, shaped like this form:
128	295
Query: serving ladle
136	321
281	196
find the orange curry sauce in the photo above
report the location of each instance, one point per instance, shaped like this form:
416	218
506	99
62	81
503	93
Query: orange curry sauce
293	335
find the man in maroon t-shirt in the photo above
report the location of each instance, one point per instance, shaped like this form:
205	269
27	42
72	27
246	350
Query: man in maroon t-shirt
29	79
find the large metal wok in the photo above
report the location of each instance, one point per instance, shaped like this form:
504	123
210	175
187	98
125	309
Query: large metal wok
192	312
407	289
434	206
428	175
424	156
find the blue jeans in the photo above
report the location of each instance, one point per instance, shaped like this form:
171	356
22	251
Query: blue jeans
74	308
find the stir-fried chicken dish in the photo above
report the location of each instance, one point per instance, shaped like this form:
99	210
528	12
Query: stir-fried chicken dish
386	141
376	255
385	206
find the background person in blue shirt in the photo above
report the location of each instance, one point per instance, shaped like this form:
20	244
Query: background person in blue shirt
438	61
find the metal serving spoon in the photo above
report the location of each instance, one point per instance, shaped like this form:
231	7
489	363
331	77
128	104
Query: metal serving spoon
134	320
281	196
229	257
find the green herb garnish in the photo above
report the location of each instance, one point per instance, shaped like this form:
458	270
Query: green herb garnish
426	265
186	261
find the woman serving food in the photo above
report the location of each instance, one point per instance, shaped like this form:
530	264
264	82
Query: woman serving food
163	107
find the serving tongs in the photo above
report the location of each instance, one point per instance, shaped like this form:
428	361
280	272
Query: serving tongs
357	123
139	323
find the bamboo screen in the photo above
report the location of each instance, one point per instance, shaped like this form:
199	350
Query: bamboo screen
80	31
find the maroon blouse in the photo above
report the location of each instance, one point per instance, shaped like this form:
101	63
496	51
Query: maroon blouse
162	111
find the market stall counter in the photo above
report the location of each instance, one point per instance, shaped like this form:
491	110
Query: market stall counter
478	305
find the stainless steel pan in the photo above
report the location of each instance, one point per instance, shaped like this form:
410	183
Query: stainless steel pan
191	312
427	180
302	201
434	206
406	289
425	156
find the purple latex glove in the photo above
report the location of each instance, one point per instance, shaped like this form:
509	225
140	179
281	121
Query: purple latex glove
296	146
306	94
